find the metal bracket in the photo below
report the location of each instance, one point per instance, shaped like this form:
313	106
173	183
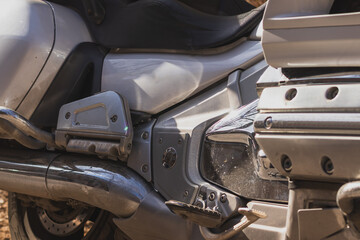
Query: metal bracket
99	124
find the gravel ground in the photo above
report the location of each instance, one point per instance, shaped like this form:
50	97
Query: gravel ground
4	224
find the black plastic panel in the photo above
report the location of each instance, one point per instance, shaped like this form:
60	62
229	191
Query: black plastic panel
79	77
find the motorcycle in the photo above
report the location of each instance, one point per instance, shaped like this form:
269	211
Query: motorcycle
140	120
104	108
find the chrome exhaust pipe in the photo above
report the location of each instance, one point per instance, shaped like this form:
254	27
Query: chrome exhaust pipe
14	126
101	183
106	184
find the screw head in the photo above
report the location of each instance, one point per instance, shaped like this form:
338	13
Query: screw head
67	115
268	122
199	204
160	140
327	165
180	141
145	168
212	196
145	135
286	163
223	197
114	118
186	193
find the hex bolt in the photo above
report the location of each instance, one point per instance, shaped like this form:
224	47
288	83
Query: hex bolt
67	115
223	197
169	157
114	118
286	163
212	196
327	165
145	168
145	135
268	122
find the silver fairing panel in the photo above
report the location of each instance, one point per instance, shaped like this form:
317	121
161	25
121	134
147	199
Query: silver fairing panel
304	33
153	82
70	30
26	39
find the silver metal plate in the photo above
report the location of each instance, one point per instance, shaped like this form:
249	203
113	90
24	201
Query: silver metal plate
153	82
307	153
311	98
140	157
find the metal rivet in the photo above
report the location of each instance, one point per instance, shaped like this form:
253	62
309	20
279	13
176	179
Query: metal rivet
268	122
186	193
160	140
145	168
331	93
212	196
327	165
223	197
286	163
290	94
114	118
145	135
67	115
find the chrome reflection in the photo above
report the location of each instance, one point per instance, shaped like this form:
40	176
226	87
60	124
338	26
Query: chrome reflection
18	128
105	184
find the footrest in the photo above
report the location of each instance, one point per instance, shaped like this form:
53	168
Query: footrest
201	216
99	124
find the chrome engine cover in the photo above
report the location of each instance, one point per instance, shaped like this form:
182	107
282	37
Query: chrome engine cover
311	131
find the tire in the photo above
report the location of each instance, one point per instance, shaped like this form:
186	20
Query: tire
25	222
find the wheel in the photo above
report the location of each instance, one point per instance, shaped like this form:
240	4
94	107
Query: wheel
35	218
